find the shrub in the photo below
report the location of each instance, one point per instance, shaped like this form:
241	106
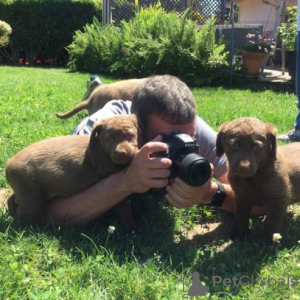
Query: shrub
43	28
5	31
153	42
288	30
95	48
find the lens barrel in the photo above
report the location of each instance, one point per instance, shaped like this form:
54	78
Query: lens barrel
193	169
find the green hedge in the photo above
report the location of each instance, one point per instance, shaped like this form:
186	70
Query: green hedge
153	42
41	29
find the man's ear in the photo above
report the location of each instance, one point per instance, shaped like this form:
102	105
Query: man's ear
95	135
271	136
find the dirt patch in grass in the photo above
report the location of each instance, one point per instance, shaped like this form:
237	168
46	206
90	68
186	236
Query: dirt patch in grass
201	229
4	194
218	229
210	231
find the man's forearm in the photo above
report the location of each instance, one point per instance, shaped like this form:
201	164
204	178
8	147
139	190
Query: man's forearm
90	203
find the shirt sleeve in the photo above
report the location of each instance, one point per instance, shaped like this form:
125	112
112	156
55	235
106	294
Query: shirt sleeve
206	138
113	107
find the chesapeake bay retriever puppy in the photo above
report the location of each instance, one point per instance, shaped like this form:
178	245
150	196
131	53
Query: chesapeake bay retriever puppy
260	173
123	90
63	166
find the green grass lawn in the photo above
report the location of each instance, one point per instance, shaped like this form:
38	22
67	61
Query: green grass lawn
86	262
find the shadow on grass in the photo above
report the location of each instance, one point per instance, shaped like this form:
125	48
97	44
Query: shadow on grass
204	248
215	254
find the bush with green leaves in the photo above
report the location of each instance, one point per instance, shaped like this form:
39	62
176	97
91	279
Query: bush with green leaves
288	30
43	28
153	42
5	31
95	48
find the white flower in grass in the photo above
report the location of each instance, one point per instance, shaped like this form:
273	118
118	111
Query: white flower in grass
111	229
277	237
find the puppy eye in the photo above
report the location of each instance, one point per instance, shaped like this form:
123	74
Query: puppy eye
130	136
233	145
109	137
257	147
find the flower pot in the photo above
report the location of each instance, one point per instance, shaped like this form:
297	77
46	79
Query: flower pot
253	62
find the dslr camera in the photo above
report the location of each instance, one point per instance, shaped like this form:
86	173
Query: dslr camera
192	168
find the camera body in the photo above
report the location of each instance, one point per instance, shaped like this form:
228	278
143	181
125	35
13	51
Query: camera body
182	150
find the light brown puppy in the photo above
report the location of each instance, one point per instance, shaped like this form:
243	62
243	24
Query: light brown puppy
260	173
102	94
63	166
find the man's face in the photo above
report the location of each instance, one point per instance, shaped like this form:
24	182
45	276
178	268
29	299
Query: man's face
157	126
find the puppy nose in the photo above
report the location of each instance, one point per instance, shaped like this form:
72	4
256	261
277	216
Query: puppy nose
123	156
122	151
244	166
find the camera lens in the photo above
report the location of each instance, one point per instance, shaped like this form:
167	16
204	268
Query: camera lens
194	169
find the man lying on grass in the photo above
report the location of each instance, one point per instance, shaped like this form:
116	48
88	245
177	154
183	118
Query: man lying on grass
163	104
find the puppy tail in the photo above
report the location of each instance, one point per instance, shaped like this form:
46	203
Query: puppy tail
80	106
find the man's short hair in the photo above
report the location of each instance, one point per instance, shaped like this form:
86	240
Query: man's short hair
165	96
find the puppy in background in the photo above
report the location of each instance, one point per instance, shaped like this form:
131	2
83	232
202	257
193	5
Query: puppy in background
260	172
102	94
64	166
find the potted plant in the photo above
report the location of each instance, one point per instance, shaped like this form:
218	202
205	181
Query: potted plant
288	33
254	52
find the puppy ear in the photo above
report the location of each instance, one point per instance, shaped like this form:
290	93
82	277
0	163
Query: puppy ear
95	135
271	136
219	141
219	144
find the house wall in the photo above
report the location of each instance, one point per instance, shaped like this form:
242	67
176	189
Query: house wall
260	12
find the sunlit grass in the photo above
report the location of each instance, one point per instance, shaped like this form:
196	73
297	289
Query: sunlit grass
88	262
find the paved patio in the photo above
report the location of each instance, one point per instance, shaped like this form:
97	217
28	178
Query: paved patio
273	77
275	74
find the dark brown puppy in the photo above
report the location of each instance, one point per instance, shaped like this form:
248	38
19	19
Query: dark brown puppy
63	166
260	173
102	94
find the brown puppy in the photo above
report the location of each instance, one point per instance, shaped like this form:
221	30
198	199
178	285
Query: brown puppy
63	166
102	94
260	173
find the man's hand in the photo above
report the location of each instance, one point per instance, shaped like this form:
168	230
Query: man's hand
182	195
147	172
